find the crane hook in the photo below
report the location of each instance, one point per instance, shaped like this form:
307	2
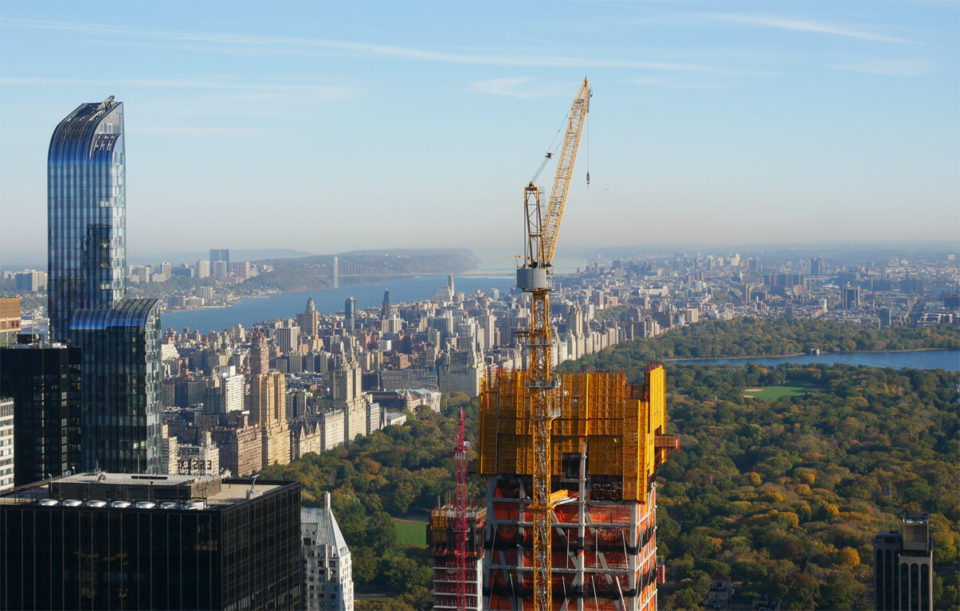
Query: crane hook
588	178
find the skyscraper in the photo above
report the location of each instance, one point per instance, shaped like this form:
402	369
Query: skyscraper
121	387
43	379
86	213
903	566
119	541
326	580
350	313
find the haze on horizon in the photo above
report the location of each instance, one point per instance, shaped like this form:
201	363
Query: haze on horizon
336	127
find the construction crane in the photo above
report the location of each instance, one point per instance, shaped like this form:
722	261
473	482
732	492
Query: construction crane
534	277
460	518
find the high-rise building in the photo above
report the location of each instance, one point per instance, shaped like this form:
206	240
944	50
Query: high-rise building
203	268
442	544
7	444
220	254
43	379
327	578
86	213
9	320
385	308
121	386
607	442
816	266
850	297
111	541
259	353
903	566
350	314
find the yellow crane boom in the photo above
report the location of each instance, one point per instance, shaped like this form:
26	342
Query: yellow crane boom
542	384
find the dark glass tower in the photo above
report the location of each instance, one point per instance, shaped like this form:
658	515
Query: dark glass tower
44	381
121	391
86	213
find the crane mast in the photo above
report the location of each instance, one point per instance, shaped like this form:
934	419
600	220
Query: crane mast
534	277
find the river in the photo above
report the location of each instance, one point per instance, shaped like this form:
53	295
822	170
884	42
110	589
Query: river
287	305
948	360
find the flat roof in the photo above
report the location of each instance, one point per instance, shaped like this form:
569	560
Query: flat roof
214	490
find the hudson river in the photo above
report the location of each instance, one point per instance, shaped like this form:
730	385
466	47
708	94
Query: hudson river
287	305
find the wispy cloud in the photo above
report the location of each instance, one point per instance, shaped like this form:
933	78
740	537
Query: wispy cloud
680	84
269	44
804	26
201	131
889	67
316	91
518	87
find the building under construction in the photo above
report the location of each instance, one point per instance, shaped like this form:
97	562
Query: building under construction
607	438
442	543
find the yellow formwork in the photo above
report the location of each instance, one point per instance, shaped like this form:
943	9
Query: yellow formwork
615	423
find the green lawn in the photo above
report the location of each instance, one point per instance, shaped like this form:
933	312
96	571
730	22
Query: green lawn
772	393
411	532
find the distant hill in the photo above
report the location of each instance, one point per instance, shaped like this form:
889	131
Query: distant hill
315	271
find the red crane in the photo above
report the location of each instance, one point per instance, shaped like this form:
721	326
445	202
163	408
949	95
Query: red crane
460	520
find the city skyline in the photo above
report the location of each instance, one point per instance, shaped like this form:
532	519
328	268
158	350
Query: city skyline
715	124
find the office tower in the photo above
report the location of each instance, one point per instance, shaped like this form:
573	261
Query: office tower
8	451
350	314
385	308
86	213
220	254
903	566
9	320
442	545
121	386
451	286
327	580
607	442
112	541
43	379
259	354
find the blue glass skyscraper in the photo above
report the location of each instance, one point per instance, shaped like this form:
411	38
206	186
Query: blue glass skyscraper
119	338
86	213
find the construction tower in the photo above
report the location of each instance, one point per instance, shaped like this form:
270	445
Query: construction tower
447	563
607	441
569	460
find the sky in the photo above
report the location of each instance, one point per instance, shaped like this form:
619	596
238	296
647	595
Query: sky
328	127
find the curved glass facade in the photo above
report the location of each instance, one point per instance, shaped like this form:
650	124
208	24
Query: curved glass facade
121	390
86	213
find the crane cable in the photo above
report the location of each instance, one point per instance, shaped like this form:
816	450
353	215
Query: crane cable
552	149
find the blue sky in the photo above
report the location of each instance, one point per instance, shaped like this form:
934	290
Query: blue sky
329	127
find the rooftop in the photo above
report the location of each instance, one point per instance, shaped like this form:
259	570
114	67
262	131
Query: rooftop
198	491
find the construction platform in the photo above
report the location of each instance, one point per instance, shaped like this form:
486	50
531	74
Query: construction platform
441	542
608	438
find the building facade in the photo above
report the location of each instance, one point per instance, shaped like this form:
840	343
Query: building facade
110	541
7	446
121	386
43	379
86	213
327	579
903	566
